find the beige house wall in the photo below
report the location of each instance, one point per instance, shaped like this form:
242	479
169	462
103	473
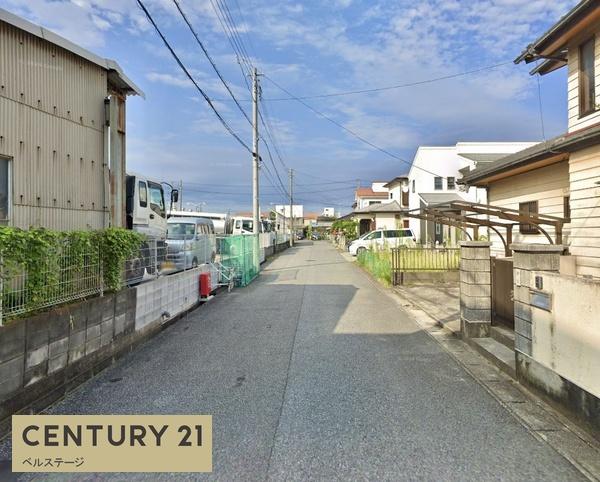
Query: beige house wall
51	128
548	185
584	174
566	339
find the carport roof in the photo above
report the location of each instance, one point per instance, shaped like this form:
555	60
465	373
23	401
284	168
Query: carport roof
440	197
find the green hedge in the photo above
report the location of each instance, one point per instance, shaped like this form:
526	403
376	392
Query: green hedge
44	263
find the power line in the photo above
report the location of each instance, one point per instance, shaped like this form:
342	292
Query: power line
214	66
236	52
384	88
351	132
189	76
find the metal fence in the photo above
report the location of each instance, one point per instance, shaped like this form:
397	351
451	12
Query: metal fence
69	275
64	276
240	256
425	259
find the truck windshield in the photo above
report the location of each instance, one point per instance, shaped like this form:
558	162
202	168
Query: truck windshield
157	202
180	231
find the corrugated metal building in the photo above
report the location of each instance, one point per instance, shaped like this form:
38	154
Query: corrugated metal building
59	167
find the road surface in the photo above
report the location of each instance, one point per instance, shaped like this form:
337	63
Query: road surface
314	372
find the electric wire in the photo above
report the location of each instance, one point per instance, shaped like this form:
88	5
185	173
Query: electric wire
191	78
349	131
214	66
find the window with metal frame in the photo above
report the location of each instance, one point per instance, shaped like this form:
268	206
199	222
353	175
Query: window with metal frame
451	183
5	188
530	207
143	194
438	183
404	198
587	77
413	186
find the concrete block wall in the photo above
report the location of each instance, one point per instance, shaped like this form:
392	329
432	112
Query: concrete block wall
43	354
166	297
475	289
527	259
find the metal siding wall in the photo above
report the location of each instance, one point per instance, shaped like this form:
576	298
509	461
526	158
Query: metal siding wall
51	124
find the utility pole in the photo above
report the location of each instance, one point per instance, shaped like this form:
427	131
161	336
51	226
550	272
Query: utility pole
255	158
181	195
291	207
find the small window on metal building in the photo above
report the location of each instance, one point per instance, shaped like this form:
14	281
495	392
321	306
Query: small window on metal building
5	188
530	207
143	194
438	183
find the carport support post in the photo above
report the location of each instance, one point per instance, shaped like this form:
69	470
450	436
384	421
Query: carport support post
475	289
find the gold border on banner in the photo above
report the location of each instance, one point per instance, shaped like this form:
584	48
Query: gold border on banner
123	443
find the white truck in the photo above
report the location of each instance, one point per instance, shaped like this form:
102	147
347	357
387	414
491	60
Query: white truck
146	213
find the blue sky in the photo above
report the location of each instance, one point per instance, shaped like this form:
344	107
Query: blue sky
313	48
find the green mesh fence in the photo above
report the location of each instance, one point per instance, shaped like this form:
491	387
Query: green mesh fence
378	263
240	254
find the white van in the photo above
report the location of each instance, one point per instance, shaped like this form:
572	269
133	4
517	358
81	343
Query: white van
220	221
190	242
382	238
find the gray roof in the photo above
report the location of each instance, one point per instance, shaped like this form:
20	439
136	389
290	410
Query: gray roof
535	50
440	197
484	156
563	144
115	73
391	207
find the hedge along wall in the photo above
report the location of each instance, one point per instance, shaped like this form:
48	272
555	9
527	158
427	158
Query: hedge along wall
40	268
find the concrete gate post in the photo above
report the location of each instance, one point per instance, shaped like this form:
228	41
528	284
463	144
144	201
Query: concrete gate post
475	289
528	258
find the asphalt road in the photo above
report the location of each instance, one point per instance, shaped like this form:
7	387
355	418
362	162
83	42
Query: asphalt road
313	372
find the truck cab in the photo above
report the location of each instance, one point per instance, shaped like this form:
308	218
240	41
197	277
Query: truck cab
146	211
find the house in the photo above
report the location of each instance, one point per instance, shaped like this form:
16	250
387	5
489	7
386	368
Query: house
283	213
559	177
62	131
551	192
432	181
366	196
388	215
328	212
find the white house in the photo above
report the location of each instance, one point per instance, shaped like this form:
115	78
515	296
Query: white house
432	180
377	193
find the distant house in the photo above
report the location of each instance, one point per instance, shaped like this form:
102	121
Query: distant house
432	180
62	131
559	177
377	193
388	215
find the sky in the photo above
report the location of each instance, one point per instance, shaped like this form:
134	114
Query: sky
313	48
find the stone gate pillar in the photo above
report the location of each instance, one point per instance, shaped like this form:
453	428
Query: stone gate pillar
528	258
475	289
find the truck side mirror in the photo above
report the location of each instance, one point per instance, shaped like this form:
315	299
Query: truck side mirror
174	195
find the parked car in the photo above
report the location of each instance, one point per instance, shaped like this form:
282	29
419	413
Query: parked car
382	237
190	242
